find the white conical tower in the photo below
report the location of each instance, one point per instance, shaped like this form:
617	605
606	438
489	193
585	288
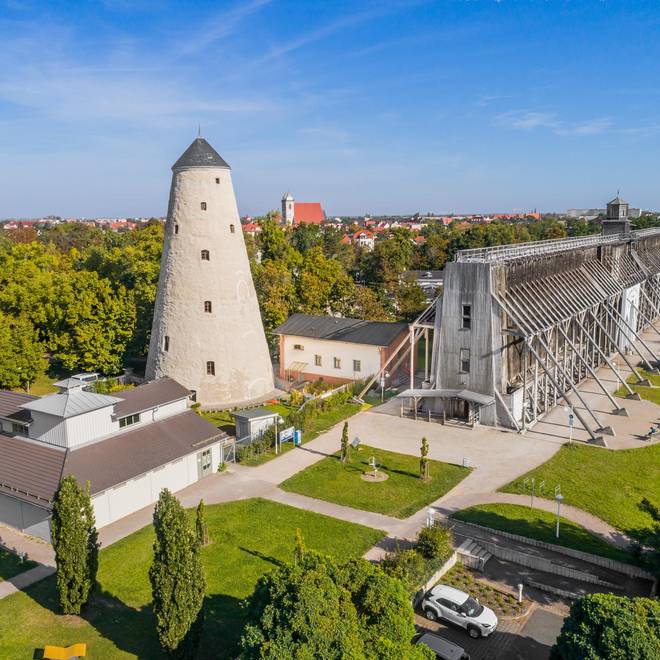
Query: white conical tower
207	331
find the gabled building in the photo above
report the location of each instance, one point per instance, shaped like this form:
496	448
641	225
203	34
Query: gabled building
337	350
295	213
129	446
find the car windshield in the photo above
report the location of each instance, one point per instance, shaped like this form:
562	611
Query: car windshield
471	607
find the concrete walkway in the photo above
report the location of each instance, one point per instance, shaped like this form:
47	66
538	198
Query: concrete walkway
498	456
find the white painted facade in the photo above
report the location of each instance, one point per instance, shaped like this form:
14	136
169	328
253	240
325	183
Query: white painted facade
222	355
306	349
91	426
135	494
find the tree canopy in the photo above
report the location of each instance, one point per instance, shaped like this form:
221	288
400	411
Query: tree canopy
609	627
318	608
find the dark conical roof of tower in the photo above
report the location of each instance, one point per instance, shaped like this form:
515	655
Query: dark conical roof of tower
200	154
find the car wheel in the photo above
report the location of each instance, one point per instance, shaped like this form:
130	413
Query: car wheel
430	615
474	632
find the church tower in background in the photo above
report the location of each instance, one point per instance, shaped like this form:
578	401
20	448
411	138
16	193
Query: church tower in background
288	209
207	331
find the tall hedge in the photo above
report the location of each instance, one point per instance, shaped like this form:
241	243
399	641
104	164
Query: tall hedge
177	578
75	541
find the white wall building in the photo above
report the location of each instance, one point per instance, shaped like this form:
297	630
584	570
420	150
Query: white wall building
336	350
129	446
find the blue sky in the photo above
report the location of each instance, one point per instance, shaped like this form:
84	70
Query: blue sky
390	106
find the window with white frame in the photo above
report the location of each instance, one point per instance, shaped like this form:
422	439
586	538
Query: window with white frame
318	361
298	347
357	365
337	362
128	420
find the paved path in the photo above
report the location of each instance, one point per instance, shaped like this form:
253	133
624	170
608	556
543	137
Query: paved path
498	456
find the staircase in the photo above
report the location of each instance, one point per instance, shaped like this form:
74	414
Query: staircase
473	555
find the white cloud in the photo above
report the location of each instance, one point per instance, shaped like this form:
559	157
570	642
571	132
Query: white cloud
524	120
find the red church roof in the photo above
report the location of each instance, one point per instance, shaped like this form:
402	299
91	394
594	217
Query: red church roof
309	212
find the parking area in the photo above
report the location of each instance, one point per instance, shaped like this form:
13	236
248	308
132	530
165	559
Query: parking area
528	638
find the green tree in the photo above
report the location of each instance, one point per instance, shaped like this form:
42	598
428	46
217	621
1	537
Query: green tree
299	550
345	446
22	356
650	538
276	292
609	627
410	297
323	285
201	525
320	609
369	305
423	460
75	541
177	578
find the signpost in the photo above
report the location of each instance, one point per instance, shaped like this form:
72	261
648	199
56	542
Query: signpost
286	435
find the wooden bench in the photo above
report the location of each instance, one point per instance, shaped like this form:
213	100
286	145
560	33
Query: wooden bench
65	653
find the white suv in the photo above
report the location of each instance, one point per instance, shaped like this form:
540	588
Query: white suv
457	607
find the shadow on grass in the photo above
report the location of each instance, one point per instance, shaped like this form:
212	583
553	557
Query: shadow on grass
260	555
133	630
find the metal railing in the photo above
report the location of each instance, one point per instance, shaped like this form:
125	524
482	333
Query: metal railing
534	248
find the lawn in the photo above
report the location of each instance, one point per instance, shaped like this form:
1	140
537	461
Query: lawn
609	484
401	495
250	538
11	564
649	393
222	419
540	525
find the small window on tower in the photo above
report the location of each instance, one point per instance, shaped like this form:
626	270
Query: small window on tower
203	206
176	229
205	255
232	229
208	307
465	360
210	368
166	343
217	179
466	317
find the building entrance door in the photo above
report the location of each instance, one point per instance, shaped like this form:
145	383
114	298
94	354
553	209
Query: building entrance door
204	463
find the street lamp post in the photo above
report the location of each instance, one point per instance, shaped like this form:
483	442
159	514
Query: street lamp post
571	420
559	497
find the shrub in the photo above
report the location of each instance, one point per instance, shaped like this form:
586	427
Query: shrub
406	565
435	542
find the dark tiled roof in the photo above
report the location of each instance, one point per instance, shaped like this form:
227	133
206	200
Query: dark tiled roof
10	402
254	413
156	393
376	333
128	455
200	154
29	471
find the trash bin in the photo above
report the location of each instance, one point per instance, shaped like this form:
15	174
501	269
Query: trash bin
466	462
297	437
